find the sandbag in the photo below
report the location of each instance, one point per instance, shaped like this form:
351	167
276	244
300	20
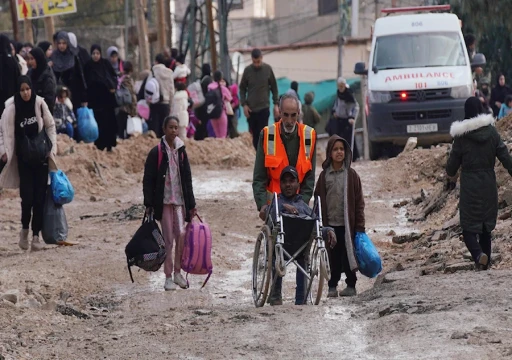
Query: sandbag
55	225
368	257
86	125
61	188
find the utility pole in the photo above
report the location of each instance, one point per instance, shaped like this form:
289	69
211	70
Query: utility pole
28	32
225	61
14	18
168	22
376	9
126	28
142	30
162	33
211	33
192	32
341	36
355	18
49	28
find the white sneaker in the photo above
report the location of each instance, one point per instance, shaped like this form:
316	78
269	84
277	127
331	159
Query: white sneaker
180	281
169	284
37	244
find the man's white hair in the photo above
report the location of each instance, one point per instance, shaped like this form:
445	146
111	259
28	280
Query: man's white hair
289	96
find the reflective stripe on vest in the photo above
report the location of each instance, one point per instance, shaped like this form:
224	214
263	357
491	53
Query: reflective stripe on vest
308	139
271	142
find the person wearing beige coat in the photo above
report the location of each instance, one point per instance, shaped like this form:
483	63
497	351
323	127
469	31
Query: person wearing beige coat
22	113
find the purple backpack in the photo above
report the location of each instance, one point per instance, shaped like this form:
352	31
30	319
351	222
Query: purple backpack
197	252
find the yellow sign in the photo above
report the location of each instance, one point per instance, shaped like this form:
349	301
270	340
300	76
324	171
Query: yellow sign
35	9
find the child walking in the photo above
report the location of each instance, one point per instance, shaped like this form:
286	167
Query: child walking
341	194
169	197
506	107
65	121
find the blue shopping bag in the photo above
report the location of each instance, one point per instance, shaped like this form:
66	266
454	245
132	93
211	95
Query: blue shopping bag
368	257
86	125
62	190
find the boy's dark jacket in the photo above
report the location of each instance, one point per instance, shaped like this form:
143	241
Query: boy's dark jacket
354	200
154	180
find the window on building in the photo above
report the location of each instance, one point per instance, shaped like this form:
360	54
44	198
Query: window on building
327	7
236	4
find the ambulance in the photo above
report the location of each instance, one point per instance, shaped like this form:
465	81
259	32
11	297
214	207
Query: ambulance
419	77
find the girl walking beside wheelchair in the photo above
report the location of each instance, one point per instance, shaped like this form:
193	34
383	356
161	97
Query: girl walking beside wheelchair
341	194
169	197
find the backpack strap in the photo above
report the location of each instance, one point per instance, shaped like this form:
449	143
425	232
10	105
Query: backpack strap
208	278
130	270
160	155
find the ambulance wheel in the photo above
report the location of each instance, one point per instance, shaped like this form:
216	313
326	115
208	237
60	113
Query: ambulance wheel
262	266
375	150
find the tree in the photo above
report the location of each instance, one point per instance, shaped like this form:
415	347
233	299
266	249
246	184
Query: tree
489	21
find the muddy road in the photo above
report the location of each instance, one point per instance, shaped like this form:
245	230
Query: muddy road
78	302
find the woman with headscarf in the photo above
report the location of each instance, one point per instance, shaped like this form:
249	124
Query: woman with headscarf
42	77
47	48
22	63
26	115
344	115
9	72
498	94
101	86
115	60
68	70
476	145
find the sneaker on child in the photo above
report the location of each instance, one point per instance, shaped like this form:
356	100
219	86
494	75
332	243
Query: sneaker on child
169	284
180	281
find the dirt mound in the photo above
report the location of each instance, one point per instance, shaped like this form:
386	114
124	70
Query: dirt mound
420	165
90	170
504	126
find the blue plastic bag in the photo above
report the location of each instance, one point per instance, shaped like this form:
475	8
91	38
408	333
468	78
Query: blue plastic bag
86	125
62	190
368	257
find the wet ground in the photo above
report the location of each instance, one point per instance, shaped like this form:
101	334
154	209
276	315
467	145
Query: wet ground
79	303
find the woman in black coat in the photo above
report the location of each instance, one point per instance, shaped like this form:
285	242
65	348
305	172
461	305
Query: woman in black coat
101	86
9	72
476	145
498	94
42	77
68	70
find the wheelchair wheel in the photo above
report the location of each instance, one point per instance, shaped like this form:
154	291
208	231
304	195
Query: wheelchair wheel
317	271
262	266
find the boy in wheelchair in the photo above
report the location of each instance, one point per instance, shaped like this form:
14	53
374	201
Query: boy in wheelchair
291	203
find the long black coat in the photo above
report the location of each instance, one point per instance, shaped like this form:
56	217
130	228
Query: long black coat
46	87
154	181
476	146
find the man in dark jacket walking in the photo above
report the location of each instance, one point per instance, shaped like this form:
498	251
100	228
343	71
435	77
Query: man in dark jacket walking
257	82
476	146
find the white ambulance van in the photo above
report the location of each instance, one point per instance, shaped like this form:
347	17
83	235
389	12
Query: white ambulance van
419	77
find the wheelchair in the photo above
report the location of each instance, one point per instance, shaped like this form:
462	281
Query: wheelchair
280	243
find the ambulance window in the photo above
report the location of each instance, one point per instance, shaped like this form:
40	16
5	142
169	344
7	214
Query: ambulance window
419	50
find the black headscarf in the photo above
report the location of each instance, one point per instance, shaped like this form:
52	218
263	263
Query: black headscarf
42	64
9	70
473	107
62	61
346	96
100	71
206	70
24	109
44	45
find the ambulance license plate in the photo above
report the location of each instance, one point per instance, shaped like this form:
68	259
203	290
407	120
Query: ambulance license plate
423	128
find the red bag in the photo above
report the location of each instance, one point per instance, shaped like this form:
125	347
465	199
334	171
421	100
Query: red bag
197	252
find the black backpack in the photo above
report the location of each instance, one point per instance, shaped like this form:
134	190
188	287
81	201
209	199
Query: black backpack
146	249
213	103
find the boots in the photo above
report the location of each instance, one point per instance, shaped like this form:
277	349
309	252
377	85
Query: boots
23	244
37	244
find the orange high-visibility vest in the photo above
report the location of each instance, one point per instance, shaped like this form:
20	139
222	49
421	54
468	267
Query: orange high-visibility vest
275	153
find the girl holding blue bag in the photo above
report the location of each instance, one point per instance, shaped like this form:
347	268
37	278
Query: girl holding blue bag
27	141
341	194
